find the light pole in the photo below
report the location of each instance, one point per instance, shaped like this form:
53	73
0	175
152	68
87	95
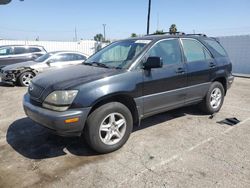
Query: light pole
148	22
104	32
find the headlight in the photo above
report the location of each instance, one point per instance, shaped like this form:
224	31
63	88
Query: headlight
14	71
60	100
10	71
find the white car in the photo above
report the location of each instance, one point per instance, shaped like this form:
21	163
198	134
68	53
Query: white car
22	73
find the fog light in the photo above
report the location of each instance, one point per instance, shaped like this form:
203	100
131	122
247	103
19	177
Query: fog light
72	120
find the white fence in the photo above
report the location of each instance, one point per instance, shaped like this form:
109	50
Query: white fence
85	46
238	48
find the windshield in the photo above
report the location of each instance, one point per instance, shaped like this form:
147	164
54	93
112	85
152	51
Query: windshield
43	57
118	55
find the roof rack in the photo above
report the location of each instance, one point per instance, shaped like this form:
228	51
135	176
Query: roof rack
168	33
198	34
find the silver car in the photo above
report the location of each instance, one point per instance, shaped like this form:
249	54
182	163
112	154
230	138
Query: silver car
22	73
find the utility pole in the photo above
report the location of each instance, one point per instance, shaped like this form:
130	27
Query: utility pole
75	34
148	22
104	32
158	22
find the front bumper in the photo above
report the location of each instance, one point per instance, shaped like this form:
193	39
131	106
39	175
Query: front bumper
230	81
55	121
7	78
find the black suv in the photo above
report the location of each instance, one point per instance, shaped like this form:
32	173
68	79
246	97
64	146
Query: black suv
129	80
11	54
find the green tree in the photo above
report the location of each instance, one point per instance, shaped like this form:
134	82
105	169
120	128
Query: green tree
159	32
133	35
173	29
99	37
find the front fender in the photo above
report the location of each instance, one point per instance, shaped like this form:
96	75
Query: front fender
128	83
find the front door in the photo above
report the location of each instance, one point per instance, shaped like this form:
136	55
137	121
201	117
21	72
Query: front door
164	88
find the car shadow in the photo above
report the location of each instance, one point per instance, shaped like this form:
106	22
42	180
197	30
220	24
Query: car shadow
36	142
167	116
6	85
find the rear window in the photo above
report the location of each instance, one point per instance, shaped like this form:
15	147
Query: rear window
216	46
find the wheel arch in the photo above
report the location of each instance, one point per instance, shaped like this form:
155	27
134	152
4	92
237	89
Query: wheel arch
223	81
124	99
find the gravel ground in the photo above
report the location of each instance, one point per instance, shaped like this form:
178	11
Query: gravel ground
180	148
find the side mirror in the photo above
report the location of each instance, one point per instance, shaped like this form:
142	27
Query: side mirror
153	62
49	62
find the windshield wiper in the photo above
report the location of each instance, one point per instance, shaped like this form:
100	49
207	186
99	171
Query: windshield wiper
96	64
90	64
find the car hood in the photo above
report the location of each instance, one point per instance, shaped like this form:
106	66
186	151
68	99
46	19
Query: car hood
72	76
19	65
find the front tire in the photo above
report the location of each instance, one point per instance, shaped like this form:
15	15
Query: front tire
214	99
108	127
25	78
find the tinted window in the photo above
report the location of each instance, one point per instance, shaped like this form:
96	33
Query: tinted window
79	57
33	49
195	51
73	57
216	46
6	51
168	50
20	50
43	57
59	58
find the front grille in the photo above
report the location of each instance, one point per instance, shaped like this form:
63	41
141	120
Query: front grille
35	91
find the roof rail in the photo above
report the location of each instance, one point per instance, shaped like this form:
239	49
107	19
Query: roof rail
198	34
167	33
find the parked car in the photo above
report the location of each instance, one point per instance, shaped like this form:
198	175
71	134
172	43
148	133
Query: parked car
23	73
11	54
128	81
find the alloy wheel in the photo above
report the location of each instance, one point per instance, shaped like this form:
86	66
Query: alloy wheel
112	129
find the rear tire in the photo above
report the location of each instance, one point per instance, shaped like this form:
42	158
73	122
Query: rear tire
25	78
108	127
214	99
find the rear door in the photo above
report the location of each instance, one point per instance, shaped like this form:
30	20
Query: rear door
21	54
163	88
200	63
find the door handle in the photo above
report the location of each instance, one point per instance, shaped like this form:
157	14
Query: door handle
212	64
180	70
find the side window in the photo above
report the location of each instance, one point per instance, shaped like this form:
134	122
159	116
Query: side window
33	49
216	46
168	50
59	58
78	57
195	51
20	50
6	51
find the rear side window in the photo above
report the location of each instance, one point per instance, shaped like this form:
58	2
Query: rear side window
20	50
216	46
79	57
33	49
195	51
60	58
168	50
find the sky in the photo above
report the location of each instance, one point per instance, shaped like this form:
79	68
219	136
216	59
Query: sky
57	19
